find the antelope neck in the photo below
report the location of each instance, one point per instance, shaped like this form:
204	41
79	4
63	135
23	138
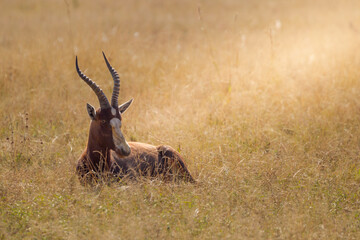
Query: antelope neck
96	155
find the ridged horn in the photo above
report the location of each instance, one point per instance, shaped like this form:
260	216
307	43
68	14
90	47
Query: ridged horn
116	78
104	102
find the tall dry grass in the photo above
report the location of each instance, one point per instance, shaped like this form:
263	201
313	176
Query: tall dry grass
260	97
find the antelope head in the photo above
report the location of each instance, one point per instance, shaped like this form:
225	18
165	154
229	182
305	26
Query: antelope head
105	126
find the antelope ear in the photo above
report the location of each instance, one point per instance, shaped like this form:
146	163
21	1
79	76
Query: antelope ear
91	111
124	106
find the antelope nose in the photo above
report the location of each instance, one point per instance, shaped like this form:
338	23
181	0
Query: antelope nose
126	151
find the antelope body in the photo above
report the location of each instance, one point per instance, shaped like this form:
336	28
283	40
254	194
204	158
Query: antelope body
108	153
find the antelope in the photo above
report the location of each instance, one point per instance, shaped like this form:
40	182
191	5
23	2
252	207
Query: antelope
109	154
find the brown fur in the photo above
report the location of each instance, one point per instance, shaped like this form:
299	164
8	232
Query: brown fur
100	160
108	154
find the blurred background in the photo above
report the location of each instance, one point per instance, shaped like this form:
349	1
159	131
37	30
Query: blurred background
260	97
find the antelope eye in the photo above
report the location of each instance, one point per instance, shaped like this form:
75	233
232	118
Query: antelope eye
103	121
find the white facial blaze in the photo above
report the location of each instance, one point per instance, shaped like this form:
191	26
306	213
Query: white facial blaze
118	138
113	111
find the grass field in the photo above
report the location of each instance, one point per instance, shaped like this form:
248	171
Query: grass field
262	98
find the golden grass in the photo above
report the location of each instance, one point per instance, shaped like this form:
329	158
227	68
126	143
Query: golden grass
262	98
